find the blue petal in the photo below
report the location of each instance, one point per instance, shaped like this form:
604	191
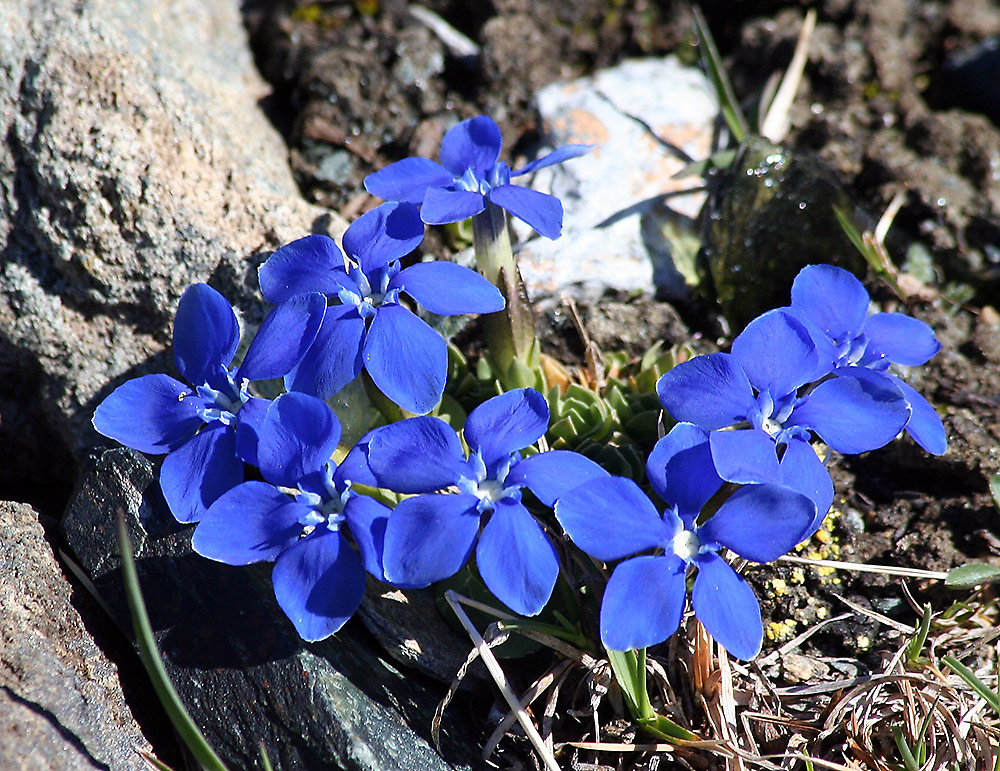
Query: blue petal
900	339
564	153
386	233
251	523
193	476
760	522
711	391
298	436
516	560
319	583
355	468
660	582
506	423
471	144
429	538
248	422
334	358
283	338
745	456
925	424
408	180
550	475
727	607
448	289
804	472
777	353
443	206
857	411
206	333
418	455
367	519
681	471
542	211
406	359
831	298
153	413
311	264
610	518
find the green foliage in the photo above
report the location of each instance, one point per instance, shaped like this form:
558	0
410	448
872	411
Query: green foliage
182	721
971	575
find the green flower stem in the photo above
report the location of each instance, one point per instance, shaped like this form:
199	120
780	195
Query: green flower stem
630	672
510	333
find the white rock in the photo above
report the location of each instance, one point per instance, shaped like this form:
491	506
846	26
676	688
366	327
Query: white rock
643	117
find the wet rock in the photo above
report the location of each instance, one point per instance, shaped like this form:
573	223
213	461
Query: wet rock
771	214
971	79
628	224
61	705
236	661
135	161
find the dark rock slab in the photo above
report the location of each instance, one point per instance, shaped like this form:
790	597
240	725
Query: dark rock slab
237	663
61	705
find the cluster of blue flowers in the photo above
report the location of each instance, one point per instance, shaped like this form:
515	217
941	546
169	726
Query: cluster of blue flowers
258	476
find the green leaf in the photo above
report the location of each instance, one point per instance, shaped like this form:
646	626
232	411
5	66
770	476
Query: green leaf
150	656
988	694
973	574
730	108
995	489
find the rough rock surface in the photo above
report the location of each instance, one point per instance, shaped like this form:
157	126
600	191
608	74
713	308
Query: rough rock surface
133	161
236	662
629	223
61	706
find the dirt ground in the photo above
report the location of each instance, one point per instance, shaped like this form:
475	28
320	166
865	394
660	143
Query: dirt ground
886	102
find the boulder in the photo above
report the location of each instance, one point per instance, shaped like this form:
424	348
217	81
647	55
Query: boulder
61	705
135	162
235	660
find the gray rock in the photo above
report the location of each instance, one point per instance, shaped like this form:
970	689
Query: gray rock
135	161
237	663
628	223
61	706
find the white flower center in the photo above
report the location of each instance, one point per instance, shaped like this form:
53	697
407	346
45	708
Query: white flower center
490	491
686	545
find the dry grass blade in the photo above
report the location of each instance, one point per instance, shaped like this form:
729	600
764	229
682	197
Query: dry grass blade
889	570
540	686
453	688
776	121
497	673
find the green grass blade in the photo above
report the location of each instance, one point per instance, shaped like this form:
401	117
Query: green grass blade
916	645
987	693
730	108
909	761
185	726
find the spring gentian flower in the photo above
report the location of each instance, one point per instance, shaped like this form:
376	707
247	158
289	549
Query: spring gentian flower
612	519
297	518
834	305
369	328
207	431
430	536
756	390
469	177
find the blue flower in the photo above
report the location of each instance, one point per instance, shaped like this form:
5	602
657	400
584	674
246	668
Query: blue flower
470	176
297	519
612	519
431	536
834	305
208	431
758	390
370	329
